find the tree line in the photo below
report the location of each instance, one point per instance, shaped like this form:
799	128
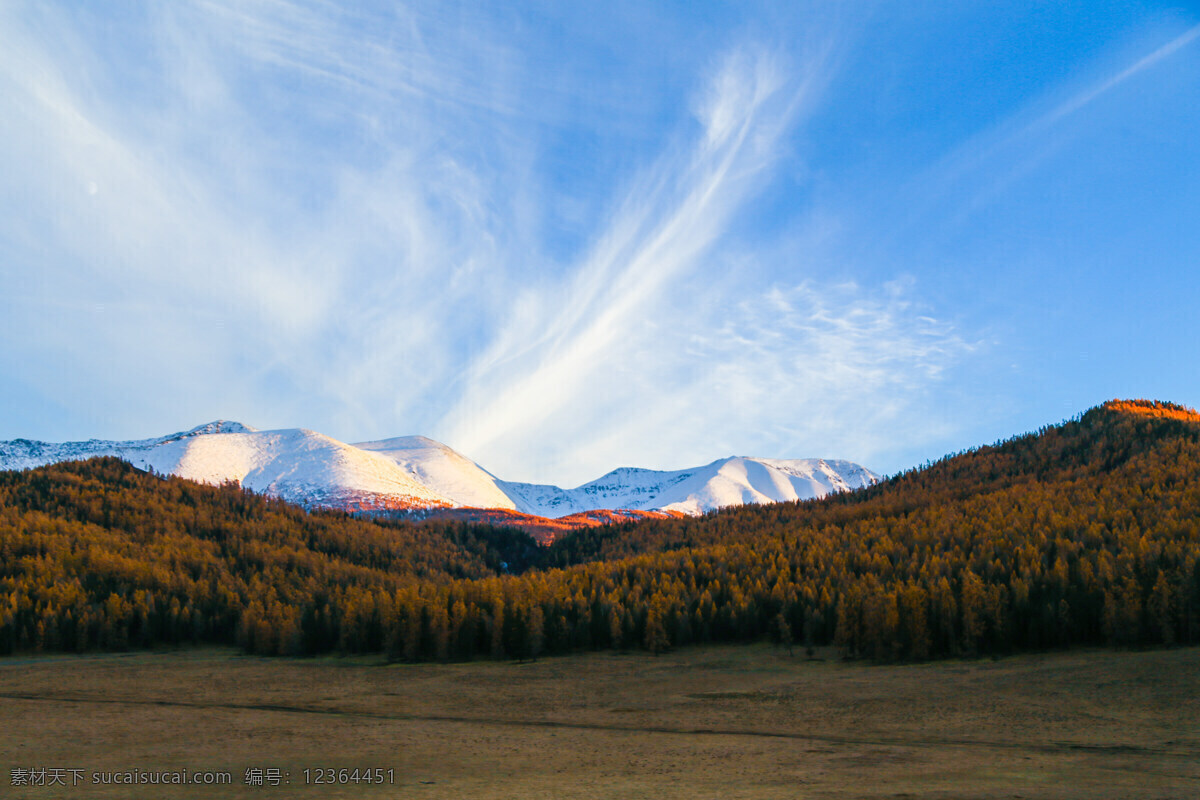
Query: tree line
1082	533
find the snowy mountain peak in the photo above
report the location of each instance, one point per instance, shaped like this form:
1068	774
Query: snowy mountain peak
312	469
220	426
408	443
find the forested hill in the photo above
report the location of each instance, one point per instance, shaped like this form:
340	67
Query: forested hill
1082	533
1118	434
98	554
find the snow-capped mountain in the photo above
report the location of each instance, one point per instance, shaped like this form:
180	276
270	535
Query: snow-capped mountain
725	482
297	465
26	453
311	469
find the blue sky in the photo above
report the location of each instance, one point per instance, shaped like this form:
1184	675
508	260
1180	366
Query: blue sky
565	237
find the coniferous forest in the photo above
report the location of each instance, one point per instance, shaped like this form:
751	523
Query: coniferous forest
1084	533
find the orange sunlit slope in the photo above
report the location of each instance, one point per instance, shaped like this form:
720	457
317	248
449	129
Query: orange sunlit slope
1154	408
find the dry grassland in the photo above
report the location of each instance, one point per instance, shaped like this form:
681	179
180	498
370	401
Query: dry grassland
718	722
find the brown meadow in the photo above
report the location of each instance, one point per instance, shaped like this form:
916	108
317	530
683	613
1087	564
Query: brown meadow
708	722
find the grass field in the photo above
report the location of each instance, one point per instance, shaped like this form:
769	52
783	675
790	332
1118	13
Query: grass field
718	722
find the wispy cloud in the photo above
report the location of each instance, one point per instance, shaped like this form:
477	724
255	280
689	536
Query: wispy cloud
1014	147
563	339
330	246
838	365
1093	92
660	350
302	214
788	371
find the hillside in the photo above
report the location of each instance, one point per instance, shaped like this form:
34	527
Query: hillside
1105	444
1086	532
97	554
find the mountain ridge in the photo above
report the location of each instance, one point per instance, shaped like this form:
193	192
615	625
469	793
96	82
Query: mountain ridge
416	472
